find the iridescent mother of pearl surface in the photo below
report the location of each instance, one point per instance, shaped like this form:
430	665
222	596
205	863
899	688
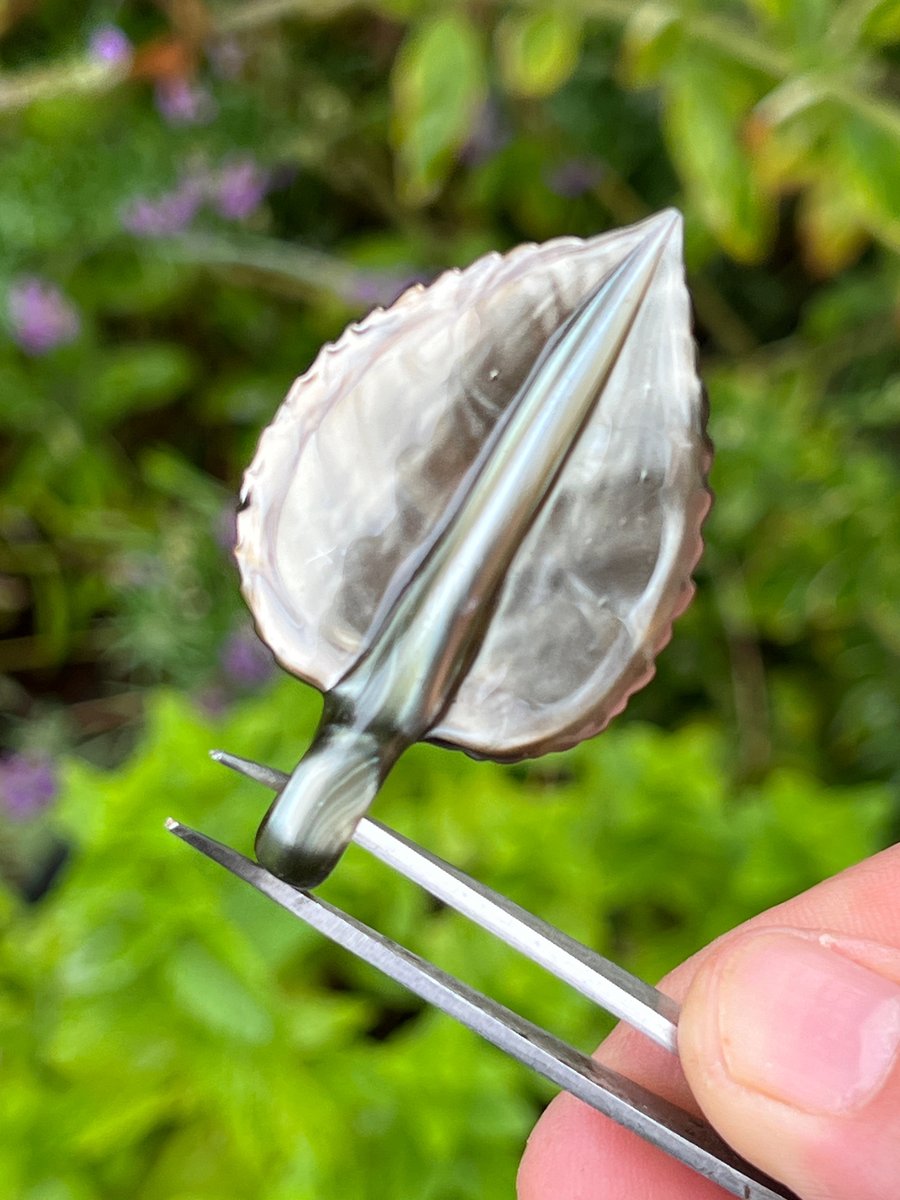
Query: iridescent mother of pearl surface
474	519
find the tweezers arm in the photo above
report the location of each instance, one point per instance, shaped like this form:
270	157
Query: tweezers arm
679	1134
608	985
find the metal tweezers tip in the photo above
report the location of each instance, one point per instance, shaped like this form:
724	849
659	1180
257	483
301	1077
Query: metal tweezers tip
268	776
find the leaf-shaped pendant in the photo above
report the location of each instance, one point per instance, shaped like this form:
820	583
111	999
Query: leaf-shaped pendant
475	518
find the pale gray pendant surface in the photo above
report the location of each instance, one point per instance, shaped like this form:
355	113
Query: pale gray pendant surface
476	516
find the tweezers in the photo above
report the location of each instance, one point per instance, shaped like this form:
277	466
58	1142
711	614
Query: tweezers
683	1136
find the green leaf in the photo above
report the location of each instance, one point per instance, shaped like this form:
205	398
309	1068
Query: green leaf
136	378
803	21
651	37
24	406
132	1117
828	222
173	476
706	144
125	282
882	23
204	988
438	85
868	156
538	51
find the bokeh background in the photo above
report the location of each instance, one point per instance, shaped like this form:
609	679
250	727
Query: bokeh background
194	196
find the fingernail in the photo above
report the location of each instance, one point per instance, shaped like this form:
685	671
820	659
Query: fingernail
805	1025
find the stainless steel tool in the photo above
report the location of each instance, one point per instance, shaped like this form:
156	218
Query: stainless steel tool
685	1137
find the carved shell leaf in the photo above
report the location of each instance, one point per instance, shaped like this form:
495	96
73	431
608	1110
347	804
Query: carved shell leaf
351	481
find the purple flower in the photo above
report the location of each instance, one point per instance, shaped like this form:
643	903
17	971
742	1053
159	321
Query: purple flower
380	287
182	102
245	660
28	784
172	213
575	177
108	44
234	190
239	189
41	317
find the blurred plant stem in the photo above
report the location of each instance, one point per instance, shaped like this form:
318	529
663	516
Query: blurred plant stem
874	337
84	76
748	672
240	17
286	269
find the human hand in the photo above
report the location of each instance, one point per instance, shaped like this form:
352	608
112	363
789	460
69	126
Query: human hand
789	1042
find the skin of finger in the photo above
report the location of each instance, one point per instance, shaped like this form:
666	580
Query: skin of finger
574	1153
855	1155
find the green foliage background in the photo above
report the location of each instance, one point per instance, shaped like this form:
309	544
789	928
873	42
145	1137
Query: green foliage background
164	1034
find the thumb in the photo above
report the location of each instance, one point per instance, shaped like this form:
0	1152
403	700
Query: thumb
790	1041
